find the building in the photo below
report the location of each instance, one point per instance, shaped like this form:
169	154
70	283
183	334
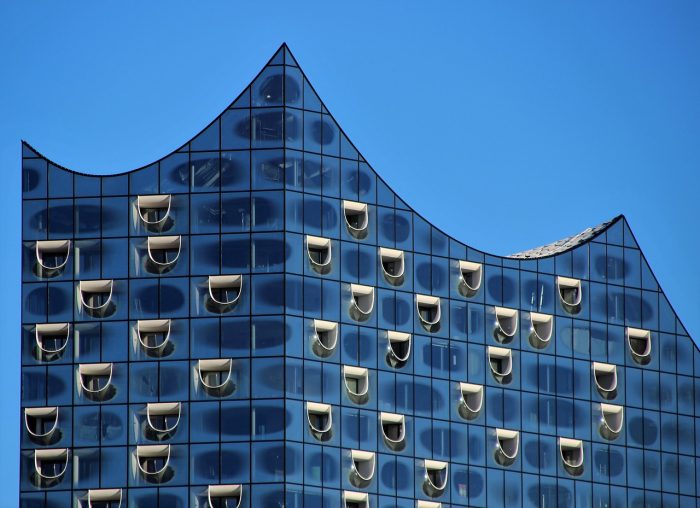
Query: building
257	320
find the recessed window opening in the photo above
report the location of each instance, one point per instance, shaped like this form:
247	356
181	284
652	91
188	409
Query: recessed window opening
541	328
639	342
506	324
215	376
469	278
356	218
429	312
612	419
96	296
96	380
154	336
224	496
355	499
362	470
153	461
471	400
507	444
428	504
51	340
154	211
325	338
501	363
436	474
570	294
362	302
356	383
393	265
162	419
42	424
163	252
50	465
571	452
319	251
605	377
393	430
224	292
399	349
104	498
320	418
51	257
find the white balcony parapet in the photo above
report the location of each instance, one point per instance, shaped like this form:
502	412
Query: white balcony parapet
153	335
570	293
605	377
319	251
153	460
356	383
104	498
224	291
51	256
215	375
163	252
611	421
163	418
436	475
429	311
421	503
50	465
356	218
362	468
95	380
355	499
41	423
571	452
470	275
541	328
51	340
96	296
471	400
362	303
320	418
506	323
399	345
501	363
154	211
393	265
507	444
639	342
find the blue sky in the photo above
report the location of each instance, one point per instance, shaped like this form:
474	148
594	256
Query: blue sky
506	124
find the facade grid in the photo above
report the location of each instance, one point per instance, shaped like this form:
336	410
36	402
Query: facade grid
258	320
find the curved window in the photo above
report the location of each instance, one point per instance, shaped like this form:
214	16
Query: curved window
96	296
471	400
51	340
570	293
51	256
50	465
319	251
41	424
605	377
154	211
541	328
399	348
393	430
356	218
320	418
224	291
501	363
362	302
436	474
362	469
571	452
163	252
639	342
154	336
356	383
162	419
612	419
428	504
104	498
506	324
469	277
355	499
215	376
393	265
224	496
429	312
507	443
325	337
96	380
153	461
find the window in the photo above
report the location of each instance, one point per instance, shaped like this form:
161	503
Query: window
224	496
51	340
501	363
224	292
429	312
104	498
356	383
162	419
154	336
50	465
319	252
325	337
356	218
51	256
163	252
154	211
393	430
355	499
399	348
393	265
571	451
436	475
153	461
428	504
469	278
362	302
41	424
605	377
507	443
570	294
320	418
506	324
363	465
471	400
96	296
639	342
611	421
96	381
541	327
215	376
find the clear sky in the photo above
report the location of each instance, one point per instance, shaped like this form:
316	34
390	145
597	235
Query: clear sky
506	124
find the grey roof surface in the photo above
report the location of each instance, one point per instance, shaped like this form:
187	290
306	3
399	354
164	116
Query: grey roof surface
562	245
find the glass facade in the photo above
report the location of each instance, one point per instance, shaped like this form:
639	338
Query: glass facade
257	320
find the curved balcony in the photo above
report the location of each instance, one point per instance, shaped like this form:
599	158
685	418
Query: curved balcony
507	444
51	257
541	329
224	292
362	303
154	211
393	430
356	218
399	348
325	338
51	341
362	468
470	275
319	252
471	400
429	312
356	383
393	265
